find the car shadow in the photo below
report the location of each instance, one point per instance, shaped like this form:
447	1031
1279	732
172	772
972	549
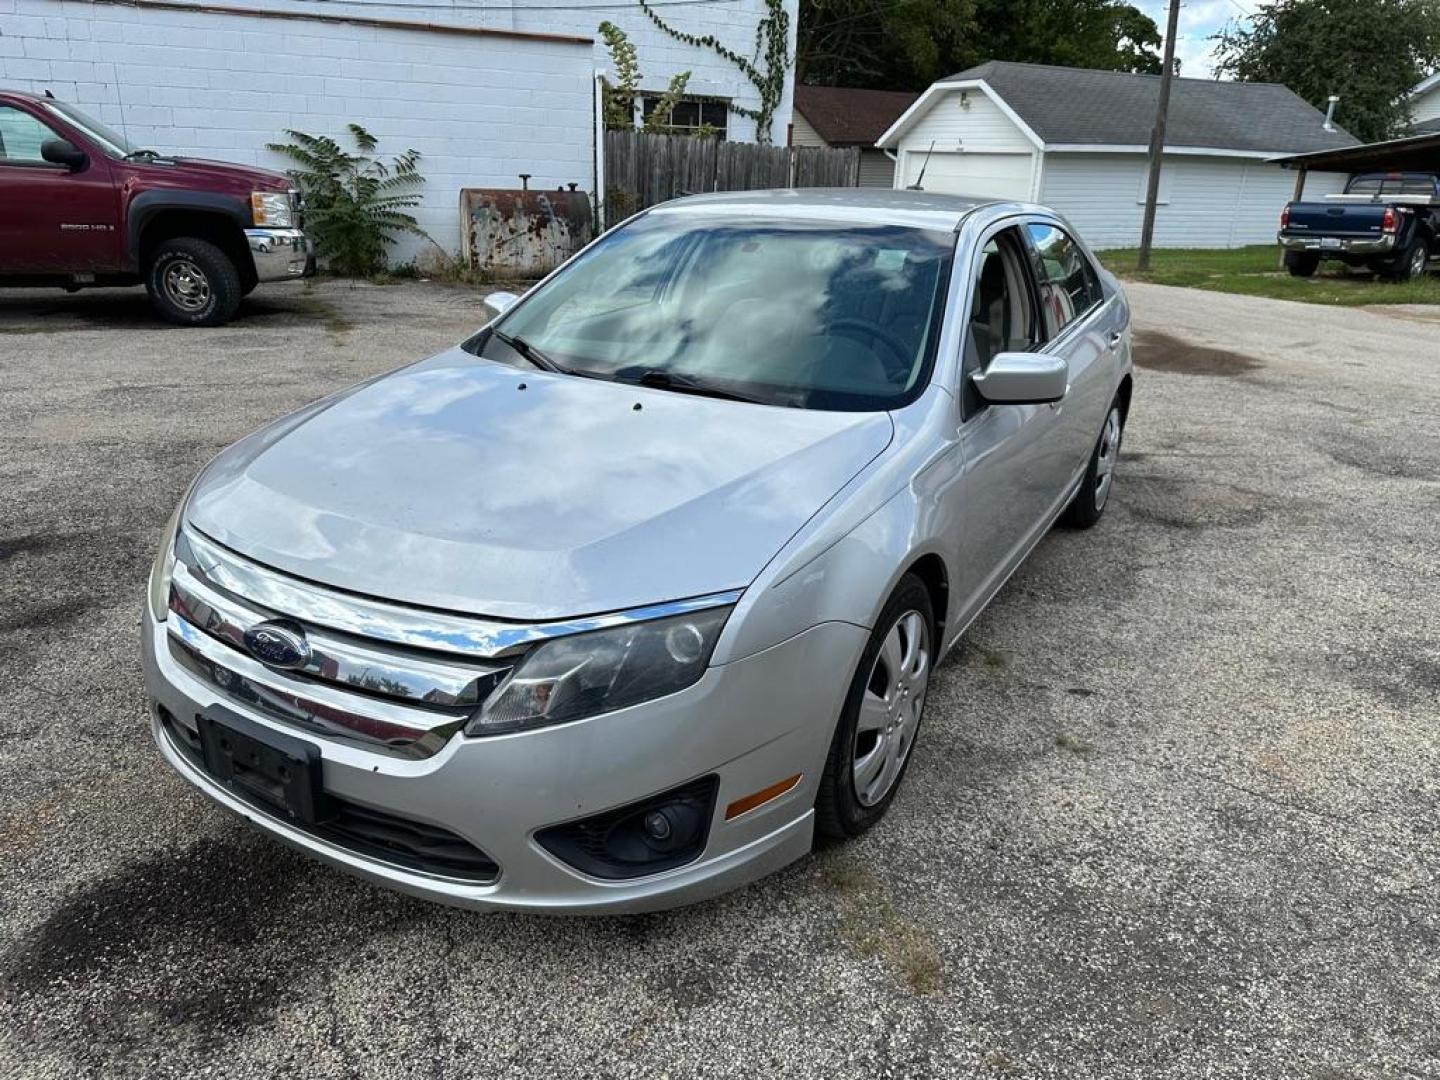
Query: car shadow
41	311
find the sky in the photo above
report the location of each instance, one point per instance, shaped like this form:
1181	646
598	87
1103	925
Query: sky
1199	20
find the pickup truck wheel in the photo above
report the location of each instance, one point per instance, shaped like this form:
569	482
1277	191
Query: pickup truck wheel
192	283
1411	264
1301	265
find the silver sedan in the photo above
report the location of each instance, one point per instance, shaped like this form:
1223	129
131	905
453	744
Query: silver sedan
617	604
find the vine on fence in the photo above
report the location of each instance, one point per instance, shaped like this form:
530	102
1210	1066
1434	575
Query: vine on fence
772	35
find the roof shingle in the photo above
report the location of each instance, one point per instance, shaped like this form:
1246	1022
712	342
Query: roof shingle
1078	105
846	117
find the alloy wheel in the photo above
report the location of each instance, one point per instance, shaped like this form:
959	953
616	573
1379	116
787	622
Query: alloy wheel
186	285
1105	460
890	709
1418	259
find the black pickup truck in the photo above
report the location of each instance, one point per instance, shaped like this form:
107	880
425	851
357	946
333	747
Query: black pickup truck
1387	222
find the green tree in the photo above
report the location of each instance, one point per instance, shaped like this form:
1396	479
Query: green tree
1370	52
908	44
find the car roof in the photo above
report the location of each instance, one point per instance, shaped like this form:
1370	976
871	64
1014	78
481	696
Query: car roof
852	206
25	94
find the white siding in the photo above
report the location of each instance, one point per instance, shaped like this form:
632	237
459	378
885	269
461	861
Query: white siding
1426	106
802	133
977	124
876	170
998	156
1209	201
990	176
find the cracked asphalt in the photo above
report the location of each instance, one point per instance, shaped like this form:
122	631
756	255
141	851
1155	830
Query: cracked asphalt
1172	814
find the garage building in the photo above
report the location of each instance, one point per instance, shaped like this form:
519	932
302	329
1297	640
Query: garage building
1078	140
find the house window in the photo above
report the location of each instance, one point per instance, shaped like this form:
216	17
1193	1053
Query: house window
1162	195
691	116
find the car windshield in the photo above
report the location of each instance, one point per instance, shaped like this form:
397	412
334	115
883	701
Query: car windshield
112	142
820	316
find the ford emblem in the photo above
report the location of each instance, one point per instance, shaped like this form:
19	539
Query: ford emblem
278	645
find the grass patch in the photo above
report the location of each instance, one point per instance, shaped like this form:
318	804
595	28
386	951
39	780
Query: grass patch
1256	271
871	926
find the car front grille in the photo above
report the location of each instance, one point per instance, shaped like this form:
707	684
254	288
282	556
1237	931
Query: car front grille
397	697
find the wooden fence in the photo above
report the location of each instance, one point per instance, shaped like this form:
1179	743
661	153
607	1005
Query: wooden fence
642	170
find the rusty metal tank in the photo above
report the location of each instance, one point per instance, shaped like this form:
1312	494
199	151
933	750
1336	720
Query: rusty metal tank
518	233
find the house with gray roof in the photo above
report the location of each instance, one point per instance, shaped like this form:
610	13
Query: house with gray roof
1078	140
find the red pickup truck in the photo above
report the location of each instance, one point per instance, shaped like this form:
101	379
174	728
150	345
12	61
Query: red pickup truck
80	206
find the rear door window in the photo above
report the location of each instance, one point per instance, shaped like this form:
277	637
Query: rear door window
1069	285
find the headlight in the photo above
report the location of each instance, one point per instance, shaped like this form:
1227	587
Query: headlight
272	209
574	677
165	566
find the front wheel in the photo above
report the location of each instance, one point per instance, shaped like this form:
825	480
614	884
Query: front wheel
1089	502
192	282
881	716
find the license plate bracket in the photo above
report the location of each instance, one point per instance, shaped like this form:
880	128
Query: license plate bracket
1330	243
279	771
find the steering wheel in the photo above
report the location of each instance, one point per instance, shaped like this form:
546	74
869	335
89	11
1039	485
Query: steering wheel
899	351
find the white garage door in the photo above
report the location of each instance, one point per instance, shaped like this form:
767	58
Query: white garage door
992	176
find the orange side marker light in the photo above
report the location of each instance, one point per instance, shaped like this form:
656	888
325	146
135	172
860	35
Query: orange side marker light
761	797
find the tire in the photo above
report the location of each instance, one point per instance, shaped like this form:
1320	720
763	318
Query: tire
1301	265
1094	494
904	636
192	282
1410	263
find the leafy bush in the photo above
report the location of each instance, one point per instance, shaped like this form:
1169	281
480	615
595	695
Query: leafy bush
355	203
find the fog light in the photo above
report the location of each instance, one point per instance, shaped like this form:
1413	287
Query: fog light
646	837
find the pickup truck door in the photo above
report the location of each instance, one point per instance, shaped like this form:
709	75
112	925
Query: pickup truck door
1088	332
52	220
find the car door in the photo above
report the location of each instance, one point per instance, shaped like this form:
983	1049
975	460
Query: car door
52	220
1009	487
1078	326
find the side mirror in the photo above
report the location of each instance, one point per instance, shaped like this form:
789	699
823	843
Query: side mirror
1017	378
63	152
497	303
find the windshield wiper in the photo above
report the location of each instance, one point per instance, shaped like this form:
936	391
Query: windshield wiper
149	155
528	351
682	384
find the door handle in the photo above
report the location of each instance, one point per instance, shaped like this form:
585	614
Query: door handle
1115	337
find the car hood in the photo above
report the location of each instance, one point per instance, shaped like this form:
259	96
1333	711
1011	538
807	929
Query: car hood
467	485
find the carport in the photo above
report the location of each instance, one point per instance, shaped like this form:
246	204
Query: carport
1419	153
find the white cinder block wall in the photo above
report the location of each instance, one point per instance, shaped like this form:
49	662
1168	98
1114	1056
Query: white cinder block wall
481	109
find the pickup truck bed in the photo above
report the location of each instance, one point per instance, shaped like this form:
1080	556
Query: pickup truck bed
1386	222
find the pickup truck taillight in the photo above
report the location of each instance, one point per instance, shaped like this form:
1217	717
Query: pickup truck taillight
1285	218
1389	221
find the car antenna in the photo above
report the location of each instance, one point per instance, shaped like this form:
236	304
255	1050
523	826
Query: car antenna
923	166
49	95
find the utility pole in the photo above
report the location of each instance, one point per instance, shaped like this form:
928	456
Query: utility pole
1157	138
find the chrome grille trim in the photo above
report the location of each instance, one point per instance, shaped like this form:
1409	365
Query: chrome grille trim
375	724
364	666
437	631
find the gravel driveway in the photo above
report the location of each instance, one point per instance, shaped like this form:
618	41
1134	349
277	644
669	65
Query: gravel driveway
1174	811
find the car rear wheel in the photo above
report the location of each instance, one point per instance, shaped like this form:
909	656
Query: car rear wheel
881	716
192	282
1089	502
1301	265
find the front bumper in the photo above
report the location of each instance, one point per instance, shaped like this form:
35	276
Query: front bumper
280	254
750	723
1380	245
